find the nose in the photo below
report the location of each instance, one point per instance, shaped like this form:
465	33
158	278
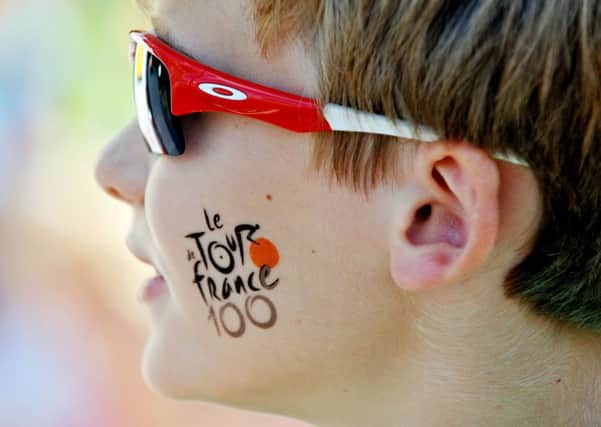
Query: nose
122	165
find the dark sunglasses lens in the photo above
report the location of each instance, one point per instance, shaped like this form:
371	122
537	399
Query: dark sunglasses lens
167	126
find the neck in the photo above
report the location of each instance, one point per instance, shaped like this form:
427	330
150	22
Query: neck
494	365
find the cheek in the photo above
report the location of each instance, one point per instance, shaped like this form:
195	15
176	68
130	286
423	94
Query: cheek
299	296
229	285
220	261
212	211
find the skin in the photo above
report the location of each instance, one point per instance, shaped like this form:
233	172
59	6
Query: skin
383	316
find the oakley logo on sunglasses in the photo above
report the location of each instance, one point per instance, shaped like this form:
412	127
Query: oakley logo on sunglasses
223	92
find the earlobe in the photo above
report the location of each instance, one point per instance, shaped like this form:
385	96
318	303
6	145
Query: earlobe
447	220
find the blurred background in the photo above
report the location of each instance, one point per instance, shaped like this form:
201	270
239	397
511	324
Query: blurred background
71	331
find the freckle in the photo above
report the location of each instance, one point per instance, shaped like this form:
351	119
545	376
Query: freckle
558	381
312	251
269	197
499	407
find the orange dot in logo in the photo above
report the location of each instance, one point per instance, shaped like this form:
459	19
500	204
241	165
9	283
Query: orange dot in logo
263	252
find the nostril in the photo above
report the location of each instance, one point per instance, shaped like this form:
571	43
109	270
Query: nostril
113	192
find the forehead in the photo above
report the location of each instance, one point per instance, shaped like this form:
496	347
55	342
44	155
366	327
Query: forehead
222	34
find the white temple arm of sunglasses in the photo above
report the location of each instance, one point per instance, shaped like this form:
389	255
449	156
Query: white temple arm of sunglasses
349	120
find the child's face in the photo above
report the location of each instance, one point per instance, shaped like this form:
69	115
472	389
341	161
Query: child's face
326	313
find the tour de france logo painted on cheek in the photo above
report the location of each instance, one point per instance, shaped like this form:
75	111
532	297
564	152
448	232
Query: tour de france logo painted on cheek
216	256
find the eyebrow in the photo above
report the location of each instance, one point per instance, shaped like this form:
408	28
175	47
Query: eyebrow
147	7
160	31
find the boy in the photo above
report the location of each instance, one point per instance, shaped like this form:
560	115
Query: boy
443	270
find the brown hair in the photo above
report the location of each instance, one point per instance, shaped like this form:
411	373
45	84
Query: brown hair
514	76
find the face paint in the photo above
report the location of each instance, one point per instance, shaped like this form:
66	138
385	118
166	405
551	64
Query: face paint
214	259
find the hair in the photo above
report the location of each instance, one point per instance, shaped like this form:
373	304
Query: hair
513	76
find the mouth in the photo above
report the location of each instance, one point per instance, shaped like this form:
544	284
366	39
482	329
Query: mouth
152	287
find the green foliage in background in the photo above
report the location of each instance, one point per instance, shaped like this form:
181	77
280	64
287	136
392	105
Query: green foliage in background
98	94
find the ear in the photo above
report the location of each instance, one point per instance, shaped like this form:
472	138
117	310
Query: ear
447	217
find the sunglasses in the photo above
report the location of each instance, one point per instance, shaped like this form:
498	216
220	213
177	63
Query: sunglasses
169	85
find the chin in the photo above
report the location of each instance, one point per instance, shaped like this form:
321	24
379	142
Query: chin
158	379
175	366
171	384
172	379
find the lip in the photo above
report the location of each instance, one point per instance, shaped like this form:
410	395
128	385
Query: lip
134	249
152	287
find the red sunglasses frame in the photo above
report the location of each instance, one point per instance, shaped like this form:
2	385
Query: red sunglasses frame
196	88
